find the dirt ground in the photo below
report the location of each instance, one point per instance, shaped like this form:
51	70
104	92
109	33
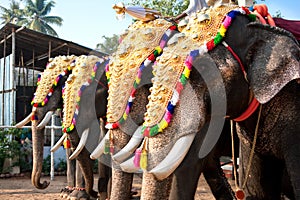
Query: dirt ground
20	188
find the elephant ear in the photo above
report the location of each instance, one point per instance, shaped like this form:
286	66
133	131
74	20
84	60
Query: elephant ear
274	61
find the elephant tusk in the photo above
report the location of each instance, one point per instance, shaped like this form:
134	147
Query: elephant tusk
129	167
59	142
174	157
81	144
100	148
45	121
24	121
130	147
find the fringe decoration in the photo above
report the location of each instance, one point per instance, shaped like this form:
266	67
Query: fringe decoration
67	143
82	88
151	58
152	131
43	103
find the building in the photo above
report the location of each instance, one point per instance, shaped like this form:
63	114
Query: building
23	54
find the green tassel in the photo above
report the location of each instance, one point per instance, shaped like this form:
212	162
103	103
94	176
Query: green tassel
107	146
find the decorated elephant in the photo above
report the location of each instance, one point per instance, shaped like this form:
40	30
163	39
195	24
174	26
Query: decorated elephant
226	73
42	105
86	86
156	35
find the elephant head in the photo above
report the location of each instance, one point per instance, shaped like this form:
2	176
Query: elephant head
85	100
254	56
47	98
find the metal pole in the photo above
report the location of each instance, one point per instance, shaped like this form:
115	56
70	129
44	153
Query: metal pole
52	144
12	81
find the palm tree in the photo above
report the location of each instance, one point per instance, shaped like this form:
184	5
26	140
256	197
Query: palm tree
37	16
14	14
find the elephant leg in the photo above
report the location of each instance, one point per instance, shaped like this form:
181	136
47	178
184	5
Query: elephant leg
292	156
264	178
217	181
186	176
121	181
104	181
121	185
151	187
185	183
79	193
65	192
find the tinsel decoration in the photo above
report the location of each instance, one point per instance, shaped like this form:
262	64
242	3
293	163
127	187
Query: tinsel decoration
152	131
151	59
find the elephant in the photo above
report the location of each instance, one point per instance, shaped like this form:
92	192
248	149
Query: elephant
120	187
51	104
250	62
86	86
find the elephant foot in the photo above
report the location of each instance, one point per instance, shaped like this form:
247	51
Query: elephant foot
65	192
79	194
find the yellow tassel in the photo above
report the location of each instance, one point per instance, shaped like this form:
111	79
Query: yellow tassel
143	161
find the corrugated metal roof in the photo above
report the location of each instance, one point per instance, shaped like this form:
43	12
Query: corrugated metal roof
29	42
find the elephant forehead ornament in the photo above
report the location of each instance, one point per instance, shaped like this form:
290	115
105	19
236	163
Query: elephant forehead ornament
56	68
82	75
173	66
141	44
205	24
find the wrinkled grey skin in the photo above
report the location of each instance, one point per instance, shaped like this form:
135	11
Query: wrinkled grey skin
210	166
277	146
90	119
271	57
38	135
93	103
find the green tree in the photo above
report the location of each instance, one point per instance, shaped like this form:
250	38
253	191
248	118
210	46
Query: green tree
109	44
14	14
166	7
37	16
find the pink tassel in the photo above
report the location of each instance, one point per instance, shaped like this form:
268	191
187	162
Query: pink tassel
137	158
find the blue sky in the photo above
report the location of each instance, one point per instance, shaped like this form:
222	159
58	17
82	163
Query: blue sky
85	22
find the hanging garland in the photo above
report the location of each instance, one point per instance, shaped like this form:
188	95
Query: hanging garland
82	88
152	131
66	72
151	58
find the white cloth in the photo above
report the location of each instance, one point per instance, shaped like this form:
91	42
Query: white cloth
194	6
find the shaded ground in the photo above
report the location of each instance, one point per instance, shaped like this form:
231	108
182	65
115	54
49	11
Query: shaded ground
20	188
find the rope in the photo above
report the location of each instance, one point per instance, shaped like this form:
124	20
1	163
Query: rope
252	149
251	153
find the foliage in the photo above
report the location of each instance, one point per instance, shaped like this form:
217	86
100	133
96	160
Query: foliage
14	14
166	7
9	146
61	166
46	165
34	15
109	45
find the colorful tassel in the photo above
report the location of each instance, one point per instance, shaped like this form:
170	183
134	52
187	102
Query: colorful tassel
106	146
144	160
151	58
137	158
67	143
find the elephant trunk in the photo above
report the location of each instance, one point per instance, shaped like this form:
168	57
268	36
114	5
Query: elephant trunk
38	149
86	165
